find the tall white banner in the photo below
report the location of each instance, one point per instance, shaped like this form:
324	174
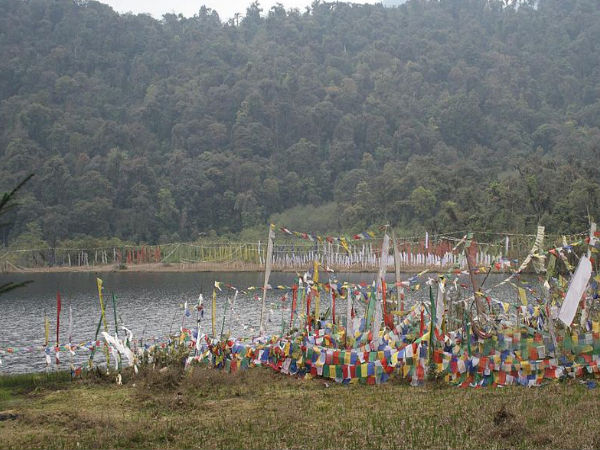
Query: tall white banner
385	248
576	289
268	265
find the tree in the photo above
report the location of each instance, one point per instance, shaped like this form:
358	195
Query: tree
8	203
421	116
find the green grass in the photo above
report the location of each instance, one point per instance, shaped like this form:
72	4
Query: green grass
29	380
258	408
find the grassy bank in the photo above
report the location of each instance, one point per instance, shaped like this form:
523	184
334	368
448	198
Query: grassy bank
258	408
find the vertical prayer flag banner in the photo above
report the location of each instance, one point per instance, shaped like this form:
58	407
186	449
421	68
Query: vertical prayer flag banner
385	248
522	296
370	308
333	296
345	244
399	288
47	339
114	303
576	290
294	304
268	265
349	321
317	295
99	283
440	304
199	315
70	323
213	314
46	330
58	308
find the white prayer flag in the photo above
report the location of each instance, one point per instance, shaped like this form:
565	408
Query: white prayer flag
576	290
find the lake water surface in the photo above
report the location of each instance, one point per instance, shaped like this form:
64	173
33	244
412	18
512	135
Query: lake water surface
150	304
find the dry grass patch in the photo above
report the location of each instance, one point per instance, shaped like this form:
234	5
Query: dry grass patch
258	408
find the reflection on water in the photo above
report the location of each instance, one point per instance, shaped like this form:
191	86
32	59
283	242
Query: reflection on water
150	304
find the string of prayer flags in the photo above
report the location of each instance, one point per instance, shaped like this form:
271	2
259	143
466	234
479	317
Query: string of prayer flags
331	239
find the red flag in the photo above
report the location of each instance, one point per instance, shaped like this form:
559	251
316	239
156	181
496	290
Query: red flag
333	305
58	307
308	298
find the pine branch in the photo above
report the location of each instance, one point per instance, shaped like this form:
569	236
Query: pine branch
7	197
7	287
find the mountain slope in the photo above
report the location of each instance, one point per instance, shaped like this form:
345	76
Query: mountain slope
439	114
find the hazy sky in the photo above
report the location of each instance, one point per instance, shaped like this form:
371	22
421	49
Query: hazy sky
225	8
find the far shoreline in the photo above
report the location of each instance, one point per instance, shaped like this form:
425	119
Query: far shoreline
207	267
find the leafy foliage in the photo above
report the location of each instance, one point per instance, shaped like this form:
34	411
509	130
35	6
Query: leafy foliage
443	114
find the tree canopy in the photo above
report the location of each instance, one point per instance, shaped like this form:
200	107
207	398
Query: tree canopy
448	114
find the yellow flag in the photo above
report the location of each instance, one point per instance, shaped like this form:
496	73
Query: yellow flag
101	297
344	244
99	284
523	296
347	358
46	329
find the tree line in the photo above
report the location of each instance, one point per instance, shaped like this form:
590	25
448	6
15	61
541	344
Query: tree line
437	115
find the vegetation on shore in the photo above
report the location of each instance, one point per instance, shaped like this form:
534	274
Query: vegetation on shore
257	408
444	115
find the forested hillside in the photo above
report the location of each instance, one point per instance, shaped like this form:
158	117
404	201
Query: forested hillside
443	115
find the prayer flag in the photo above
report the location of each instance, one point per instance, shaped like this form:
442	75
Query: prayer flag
576	289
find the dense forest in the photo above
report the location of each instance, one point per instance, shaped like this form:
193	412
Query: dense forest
439	115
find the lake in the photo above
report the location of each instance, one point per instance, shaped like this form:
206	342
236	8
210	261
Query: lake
150	305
